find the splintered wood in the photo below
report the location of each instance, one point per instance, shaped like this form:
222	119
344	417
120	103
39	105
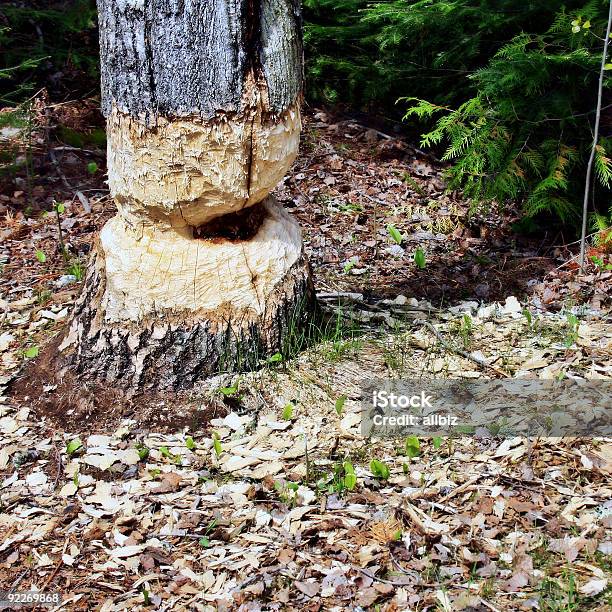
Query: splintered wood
189	170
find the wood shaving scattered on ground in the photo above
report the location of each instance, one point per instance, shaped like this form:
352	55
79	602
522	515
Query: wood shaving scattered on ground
249	507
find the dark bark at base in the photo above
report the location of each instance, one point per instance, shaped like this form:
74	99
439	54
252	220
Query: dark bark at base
170	353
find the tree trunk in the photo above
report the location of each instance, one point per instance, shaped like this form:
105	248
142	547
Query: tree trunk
201	270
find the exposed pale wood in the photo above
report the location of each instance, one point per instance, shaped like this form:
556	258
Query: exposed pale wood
162	309
172	349
188	171
154	271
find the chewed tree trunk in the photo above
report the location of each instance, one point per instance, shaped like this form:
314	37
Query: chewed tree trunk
201	270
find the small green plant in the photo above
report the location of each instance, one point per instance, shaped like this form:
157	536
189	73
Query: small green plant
571	335
204	541
287	491
143	451
217	444
600	263
40	255
339	349
146	597
288	412
497	428
350	478
73	446
340	404
412	447
31	352
165	452
341	479
75	267
396	352
395	234
92	167
350	207
43	296
419	259
349	265
463	329
379	469
413	184
229	391
190	443
560	594
601	224
466	329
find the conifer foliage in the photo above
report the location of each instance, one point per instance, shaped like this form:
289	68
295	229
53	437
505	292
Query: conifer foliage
507	88
526	133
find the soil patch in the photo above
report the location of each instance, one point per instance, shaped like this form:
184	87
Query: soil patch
84	406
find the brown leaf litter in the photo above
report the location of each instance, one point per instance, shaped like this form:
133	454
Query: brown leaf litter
126	505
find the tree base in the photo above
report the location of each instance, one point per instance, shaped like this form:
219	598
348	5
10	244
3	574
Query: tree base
157	311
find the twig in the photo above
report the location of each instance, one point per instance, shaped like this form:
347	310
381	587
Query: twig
84	200
60	233
59	467
18	580
381	134
458	351
77	150
59	170
339	295
416	519
486	604
585	204
377	307
179	533
569	244
375	577
54	572
461	488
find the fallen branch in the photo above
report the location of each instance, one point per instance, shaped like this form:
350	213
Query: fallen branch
84	200
453	349
380	306
59	170
461	488
373	576
67	149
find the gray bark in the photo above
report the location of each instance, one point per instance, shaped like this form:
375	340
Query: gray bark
192	57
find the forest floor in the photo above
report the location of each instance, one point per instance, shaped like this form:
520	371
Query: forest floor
238	494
